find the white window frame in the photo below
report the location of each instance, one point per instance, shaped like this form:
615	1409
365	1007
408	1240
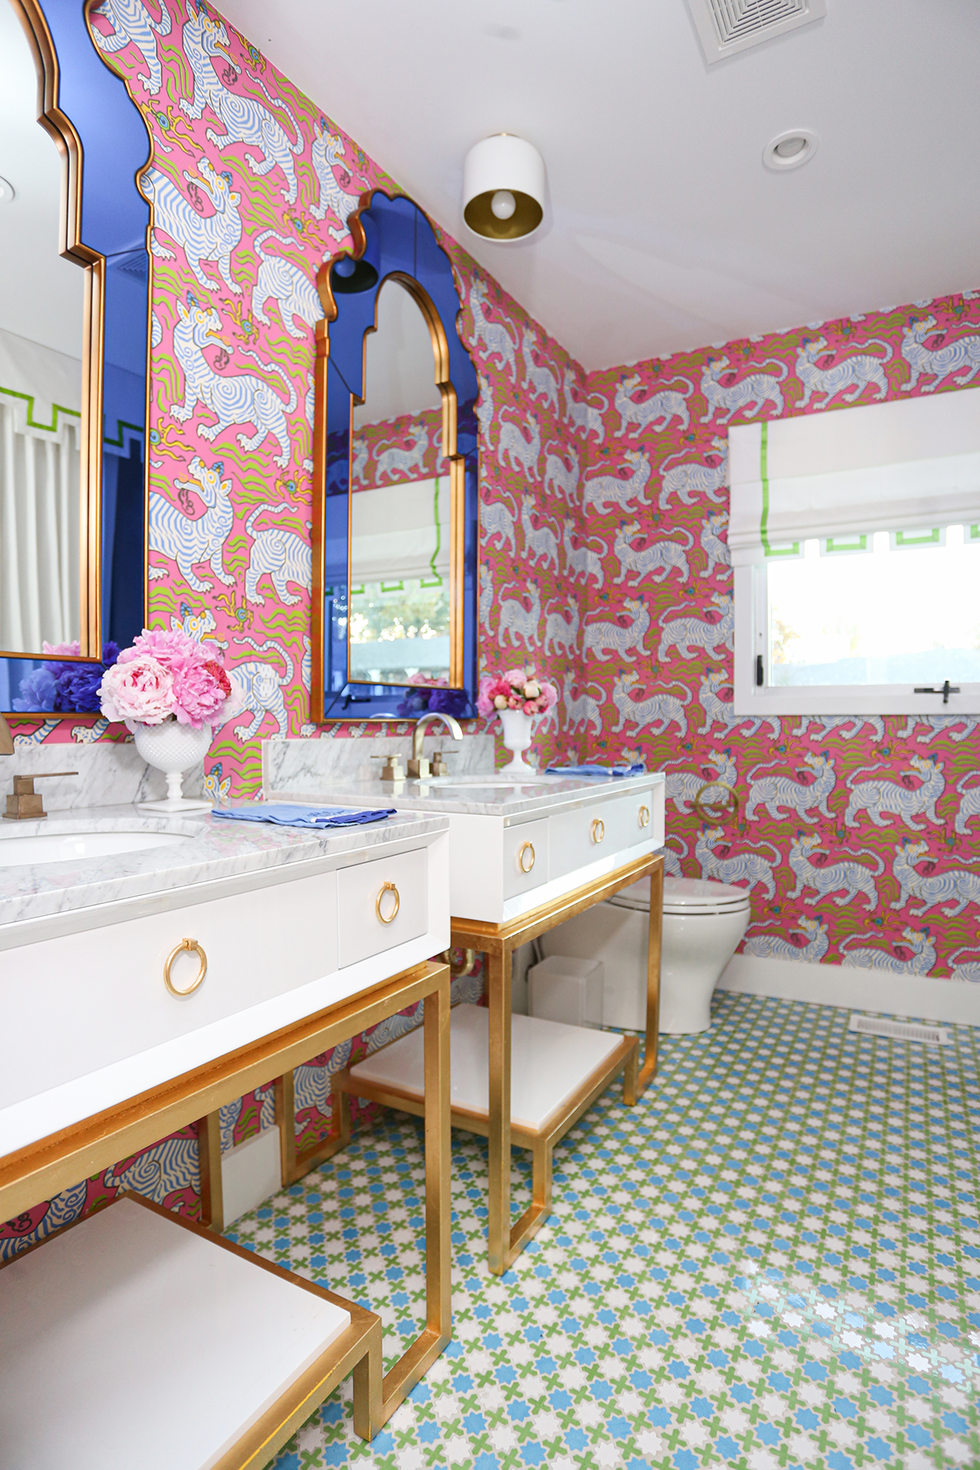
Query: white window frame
753	701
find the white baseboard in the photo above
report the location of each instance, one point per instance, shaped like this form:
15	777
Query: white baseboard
920	997
250	1173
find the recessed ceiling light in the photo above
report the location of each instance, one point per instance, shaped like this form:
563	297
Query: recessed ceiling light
790	149
6	191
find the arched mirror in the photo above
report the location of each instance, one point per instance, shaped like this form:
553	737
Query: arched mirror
395	477
73	345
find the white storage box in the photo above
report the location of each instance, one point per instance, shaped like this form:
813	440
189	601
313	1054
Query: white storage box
563	988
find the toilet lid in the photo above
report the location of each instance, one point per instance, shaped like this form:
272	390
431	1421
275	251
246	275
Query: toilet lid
685	896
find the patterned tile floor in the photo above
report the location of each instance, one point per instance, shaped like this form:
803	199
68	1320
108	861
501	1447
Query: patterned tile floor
773	1260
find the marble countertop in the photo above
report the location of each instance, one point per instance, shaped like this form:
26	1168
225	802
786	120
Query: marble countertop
487	794
213	851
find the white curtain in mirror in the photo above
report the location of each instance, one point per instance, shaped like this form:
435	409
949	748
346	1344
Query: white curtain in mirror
400	532
40	477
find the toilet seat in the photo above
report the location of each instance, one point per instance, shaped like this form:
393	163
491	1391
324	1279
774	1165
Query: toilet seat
697	897
687	898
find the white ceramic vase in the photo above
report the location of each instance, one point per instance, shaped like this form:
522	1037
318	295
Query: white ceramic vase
173	748
518	732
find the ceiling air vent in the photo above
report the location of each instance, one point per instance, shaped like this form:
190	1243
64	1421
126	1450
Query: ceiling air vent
899	1030
727	26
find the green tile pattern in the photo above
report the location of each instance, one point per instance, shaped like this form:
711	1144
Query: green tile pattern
772	1261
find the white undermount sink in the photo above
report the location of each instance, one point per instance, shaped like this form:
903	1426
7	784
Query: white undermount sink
65	847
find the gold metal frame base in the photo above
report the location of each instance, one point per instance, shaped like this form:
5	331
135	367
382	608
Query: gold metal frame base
53	1163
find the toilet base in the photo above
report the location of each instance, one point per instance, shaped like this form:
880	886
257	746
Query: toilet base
696	948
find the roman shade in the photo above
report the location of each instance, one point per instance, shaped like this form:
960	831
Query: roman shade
901	466
400	532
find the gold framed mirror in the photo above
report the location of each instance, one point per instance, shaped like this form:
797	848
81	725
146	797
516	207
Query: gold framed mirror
74	314
395	476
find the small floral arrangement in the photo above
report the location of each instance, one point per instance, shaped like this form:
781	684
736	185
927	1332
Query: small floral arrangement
518	689
168	676
434	695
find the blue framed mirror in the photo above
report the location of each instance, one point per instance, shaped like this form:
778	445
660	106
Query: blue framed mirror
74	314
395	477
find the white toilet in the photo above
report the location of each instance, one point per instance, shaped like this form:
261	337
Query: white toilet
703	924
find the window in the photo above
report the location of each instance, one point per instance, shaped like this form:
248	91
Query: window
855	539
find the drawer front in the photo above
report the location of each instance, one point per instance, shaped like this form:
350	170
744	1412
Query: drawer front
74	1004
643	818
381	904
527	857
585	835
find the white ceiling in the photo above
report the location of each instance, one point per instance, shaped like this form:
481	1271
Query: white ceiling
663	229
41	295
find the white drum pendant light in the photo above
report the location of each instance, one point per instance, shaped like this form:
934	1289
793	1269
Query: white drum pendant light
503	188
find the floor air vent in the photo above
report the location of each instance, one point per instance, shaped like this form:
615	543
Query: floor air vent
727	26
900	1030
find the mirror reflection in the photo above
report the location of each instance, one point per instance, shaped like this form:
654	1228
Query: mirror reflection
42	299
400	505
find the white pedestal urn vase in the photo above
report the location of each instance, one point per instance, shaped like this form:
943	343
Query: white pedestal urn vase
518	733
173	748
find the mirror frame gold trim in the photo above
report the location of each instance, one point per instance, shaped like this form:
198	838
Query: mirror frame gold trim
457	463
66	138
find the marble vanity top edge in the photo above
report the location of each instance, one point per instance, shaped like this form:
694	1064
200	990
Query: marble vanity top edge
497	801
214	853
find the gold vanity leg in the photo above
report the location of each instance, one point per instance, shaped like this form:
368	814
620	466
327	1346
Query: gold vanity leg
367	1388
498	1130
649	1068
209	1163
403	1377
294	1165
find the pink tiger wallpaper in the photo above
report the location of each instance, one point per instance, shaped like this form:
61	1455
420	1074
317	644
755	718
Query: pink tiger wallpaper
604	512
397	451
251	186
830	880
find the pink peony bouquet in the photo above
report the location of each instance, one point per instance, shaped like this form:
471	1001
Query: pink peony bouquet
518	689
168	676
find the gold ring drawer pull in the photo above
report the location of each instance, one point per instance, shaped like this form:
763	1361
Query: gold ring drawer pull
387	888
525	856
190	946
643	816
598	829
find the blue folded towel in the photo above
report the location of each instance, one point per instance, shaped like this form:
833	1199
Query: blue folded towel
638	769
282	814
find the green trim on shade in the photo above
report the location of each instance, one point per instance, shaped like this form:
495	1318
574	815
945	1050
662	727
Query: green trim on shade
32	423
435	511
793	550
833	544
922	538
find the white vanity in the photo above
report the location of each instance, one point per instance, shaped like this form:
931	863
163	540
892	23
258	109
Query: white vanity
525	855
152	969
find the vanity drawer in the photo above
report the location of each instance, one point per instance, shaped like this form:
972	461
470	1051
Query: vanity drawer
381	904
527	857
587	834
84	1001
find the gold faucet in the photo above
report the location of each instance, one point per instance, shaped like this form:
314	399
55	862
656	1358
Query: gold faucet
6	739
418	766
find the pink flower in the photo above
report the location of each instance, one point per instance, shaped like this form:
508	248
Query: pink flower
59	650
167	648
198	695
513	702
141	689
517	677
550	696
531	708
